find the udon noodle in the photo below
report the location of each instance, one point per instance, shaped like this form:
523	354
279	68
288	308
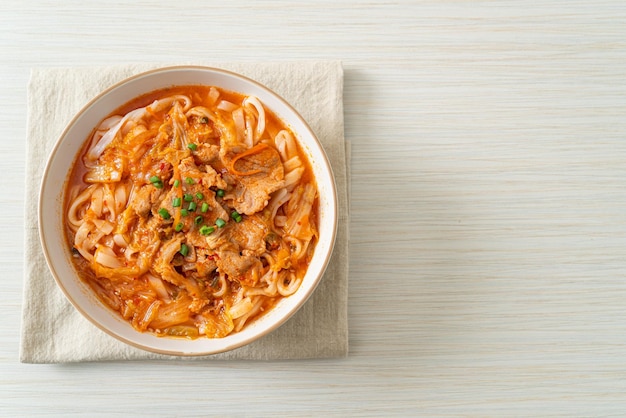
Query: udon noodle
191	211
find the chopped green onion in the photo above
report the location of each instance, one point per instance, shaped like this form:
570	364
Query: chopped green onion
207	230
184	212
189	180
156	182
164	213
205	207
176	202
220	222
192	206
199	219
199	196
220	192
176	183
192	146
187	197
216	279
184	250
236	216
178	227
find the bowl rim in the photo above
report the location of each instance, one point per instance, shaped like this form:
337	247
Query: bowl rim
333	211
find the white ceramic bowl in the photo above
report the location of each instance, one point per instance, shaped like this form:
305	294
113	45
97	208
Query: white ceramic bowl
58	253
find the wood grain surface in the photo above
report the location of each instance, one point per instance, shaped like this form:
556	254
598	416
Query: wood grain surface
488	209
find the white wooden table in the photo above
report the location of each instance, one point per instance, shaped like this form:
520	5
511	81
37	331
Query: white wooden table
488	234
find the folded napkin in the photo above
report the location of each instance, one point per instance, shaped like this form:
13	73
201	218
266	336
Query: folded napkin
54	332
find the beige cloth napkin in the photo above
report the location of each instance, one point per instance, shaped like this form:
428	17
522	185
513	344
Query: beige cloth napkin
54	332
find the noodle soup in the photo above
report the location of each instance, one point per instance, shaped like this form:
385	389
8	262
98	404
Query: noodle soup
191	211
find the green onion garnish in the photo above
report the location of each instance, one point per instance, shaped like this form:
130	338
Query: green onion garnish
164	213
189	180
220	192
236	216
192	206
176	183
176	202
156	182
184	250
205	207
220	222
199	196
187	197
178	227
184	212
192	146
199	219
207	230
